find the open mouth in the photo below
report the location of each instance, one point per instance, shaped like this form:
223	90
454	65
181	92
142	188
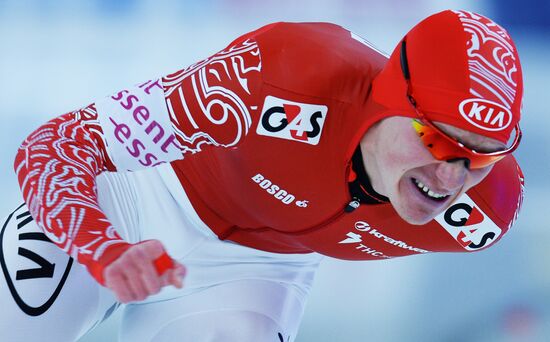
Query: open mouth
427	192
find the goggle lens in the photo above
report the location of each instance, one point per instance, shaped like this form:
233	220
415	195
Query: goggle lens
443	147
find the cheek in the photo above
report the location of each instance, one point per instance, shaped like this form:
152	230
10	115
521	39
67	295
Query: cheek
476	176
407	153
398	160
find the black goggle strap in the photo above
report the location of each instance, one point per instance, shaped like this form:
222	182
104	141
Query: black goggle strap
404	62
406	72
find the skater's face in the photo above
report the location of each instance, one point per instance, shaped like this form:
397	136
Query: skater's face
419	186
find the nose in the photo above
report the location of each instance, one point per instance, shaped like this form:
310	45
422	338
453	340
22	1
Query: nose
451	175
465	160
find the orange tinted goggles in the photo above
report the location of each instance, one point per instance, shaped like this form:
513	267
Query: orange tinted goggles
444	147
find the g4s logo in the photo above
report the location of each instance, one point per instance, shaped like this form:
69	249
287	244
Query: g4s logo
292	120
468	225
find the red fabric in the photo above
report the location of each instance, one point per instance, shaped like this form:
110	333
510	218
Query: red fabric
316	64
111	254
163	263
58	163
281	190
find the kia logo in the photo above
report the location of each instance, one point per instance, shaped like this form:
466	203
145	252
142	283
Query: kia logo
485	114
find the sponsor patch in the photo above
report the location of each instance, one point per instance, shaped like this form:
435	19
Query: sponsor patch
484	114
292	120
357	240
276	191
30	261
363	226
468	224
137	127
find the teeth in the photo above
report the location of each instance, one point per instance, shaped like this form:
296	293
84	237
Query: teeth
427	190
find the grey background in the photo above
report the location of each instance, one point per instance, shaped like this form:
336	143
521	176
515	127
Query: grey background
56	56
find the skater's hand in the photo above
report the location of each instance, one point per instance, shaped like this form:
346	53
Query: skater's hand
141	271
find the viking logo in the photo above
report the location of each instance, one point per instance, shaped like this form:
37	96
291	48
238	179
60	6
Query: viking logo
20	239
468	225
292	120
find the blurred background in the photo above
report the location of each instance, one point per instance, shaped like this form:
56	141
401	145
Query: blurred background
56	56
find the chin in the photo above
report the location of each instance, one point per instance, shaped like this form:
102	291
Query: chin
414	206
417	221
414	216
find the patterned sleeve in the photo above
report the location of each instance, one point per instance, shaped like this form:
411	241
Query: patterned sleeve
206	104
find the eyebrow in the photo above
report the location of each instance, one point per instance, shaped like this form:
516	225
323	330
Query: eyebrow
495	146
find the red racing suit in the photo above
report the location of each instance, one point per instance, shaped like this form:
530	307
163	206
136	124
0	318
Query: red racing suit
261	136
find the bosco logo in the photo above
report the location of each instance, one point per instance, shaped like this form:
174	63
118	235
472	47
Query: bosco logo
484	114
276	191
292	120
468	225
